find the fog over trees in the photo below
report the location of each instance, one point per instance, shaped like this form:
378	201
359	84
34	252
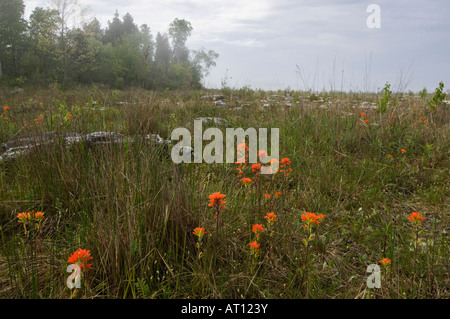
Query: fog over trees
44	50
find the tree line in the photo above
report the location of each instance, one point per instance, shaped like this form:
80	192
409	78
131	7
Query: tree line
44	50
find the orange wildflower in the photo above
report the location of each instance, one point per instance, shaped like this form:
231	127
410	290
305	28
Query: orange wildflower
6	108
262	154
39	216
278	193
273	161
385	262
415	218
23	217
312	219
216	200
271	218
254	248
81	257
256	168
390	156
246	181
403	150
309	218
267	196
286	161
257	229
30	216
241	149
199	231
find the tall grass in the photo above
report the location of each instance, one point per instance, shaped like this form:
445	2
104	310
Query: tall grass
135	210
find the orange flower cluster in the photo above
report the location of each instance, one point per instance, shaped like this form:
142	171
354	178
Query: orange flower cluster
256	168
241	151
262	155
385	262
257	229
285	162
312	219
246	181
254	248
28	217
416	219
216	200
41	119
363	117
81	257
4	114
271	218
199	232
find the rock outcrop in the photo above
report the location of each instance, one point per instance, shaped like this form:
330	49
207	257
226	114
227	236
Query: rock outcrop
23	145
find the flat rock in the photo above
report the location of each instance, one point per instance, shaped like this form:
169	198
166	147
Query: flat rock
23	145
215	97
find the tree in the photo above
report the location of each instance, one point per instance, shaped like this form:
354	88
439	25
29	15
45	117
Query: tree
203	61
12	29
162	51
179	31
68	10
54	46
128	25
114	30
147	44
94	29
43	27
81	54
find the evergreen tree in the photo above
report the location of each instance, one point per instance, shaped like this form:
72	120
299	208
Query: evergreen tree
12	29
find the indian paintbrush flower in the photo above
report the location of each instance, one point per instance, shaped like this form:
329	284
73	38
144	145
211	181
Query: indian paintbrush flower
257	229
199	232
81	258
254	248
30	218
416	219
385	262
217	201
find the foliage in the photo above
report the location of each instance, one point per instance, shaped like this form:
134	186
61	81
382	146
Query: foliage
383	103
151	234
437	98
43	50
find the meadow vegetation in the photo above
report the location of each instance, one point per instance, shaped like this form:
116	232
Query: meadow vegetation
356	167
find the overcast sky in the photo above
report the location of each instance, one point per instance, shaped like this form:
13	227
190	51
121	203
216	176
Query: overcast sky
304	44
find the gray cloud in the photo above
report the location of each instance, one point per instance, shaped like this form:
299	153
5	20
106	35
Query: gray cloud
260	42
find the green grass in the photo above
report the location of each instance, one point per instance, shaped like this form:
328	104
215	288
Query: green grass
135	210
